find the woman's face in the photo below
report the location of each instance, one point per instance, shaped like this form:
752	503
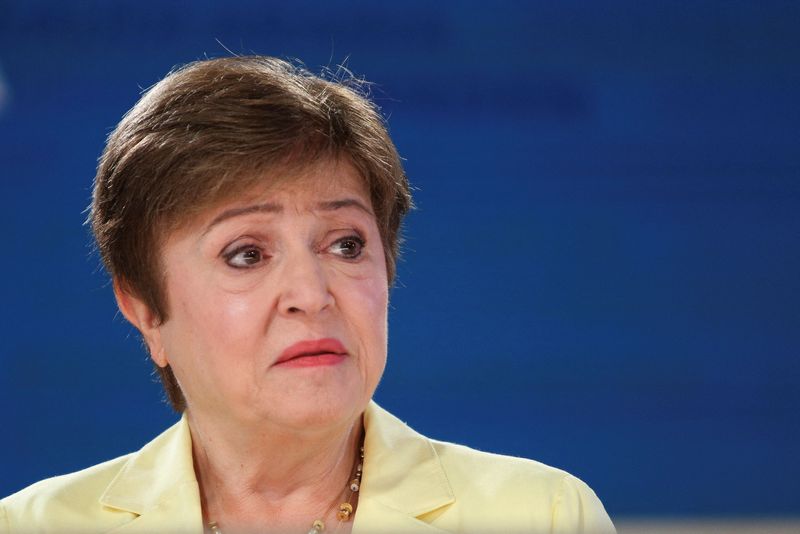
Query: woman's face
278	303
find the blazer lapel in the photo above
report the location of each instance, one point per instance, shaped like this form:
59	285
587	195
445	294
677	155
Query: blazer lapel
158	484
375	517
403	477
403	480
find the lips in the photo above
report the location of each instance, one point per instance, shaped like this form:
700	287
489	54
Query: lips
313	352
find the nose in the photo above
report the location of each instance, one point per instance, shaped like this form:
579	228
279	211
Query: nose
305	289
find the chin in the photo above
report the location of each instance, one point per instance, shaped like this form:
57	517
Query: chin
318	411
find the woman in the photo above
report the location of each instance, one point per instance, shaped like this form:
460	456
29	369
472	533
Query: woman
248	213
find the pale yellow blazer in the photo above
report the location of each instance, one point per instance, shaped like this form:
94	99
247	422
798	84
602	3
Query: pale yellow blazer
411	484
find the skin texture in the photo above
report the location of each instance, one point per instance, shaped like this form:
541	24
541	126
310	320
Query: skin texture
274	444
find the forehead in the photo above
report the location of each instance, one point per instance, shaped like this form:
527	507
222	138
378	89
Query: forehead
299	188
324	180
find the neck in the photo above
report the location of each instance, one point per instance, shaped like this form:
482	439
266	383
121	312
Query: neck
271	476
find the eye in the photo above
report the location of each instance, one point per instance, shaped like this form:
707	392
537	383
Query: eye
244	257
349	247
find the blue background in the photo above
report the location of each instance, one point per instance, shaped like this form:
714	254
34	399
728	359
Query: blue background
602	273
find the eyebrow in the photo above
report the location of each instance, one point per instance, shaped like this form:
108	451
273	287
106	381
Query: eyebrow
272	207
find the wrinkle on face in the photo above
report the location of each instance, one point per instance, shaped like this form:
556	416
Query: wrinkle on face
227	326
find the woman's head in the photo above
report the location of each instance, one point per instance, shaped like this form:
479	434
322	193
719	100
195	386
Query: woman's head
217	130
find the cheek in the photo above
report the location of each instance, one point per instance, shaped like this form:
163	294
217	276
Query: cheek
379	291
378	302
203	320
370	307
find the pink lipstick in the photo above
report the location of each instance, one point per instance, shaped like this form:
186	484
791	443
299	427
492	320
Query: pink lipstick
312	353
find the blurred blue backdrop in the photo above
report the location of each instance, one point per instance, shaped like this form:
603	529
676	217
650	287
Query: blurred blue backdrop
602	273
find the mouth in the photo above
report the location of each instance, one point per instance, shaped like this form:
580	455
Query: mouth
327	351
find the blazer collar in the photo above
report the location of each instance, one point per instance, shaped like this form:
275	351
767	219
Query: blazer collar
403	480
403	477
158	484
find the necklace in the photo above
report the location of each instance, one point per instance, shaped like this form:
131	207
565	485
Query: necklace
345	509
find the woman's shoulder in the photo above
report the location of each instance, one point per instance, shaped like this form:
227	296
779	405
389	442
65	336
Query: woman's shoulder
526	489
497	470
105	495
56	500
462	463
514	481
460	489
52	488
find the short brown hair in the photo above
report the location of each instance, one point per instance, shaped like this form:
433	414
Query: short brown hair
210	130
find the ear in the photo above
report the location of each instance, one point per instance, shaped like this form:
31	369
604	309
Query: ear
139	314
